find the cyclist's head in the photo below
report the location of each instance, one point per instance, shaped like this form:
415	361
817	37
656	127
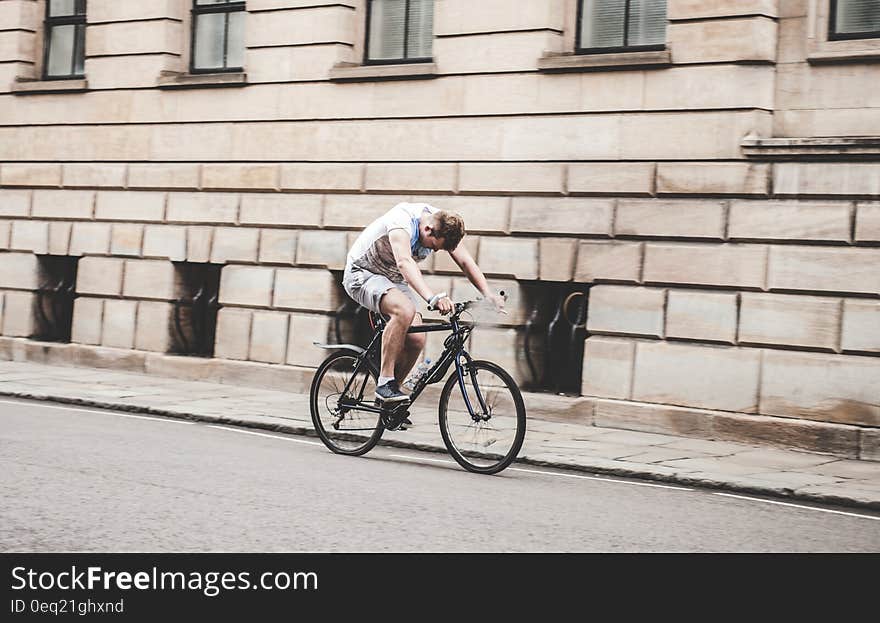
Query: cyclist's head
448	227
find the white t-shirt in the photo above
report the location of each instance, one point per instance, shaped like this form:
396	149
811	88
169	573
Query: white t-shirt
372	249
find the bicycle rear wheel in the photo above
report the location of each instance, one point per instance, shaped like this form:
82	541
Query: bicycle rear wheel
343	429
484	442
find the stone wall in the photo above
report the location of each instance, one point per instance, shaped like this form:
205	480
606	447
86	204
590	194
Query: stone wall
720	196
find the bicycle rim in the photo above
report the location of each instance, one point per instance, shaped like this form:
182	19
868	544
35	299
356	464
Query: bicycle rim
343	430
491	443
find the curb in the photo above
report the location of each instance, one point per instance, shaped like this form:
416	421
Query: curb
646	474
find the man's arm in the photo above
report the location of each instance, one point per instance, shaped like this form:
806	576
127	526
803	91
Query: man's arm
407	266
468	266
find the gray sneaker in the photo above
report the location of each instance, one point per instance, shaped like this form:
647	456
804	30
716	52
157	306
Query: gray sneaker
390	393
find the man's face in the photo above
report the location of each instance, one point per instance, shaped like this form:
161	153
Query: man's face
429	240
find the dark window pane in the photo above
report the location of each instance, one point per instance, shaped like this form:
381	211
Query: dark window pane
78	61
201	2
647	22
235	42
209	31
387	24
857	16
602	23
58	8
61	39
421	29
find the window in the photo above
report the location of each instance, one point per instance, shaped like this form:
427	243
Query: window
217	36
854	19
65	37
399	31
621	25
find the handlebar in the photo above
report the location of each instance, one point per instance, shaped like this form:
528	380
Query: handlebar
458	308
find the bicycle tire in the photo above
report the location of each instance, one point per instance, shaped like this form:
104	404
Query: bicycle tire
350	442
473	460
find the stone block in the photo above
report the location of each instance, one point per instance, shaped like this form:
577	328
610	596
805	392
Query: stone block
827	269
611	178
63	203
165	242
506	347
519	304
326	249
99	275
608	261
457	17
233	335
422	177
88	320
198	243
706	377
626	310
168	176
670	218
608	367
693	9
868	222
93	175
320	177
815	386
561	216
277	246
19	314
19	271
59	237
119	323
557	257
277	210
869	445
246	285
734	265
788	320
712	178
443	262
151	279
356	211
306	289
235	244
651	418
139	37
790	220
130	206
126	238
5	234
511	178
304	330
30	236
848	179
15	202
154	332
481	214
861	326
703	316
269	336
14	174
240	176
750	38
509	257
202	207
90	238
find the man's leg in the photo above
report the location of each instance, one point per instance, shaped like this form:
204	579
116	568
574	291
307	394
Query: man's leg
412	348
401	311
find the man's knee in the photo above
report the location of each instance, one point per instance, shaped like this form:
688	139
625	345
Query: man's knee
397	305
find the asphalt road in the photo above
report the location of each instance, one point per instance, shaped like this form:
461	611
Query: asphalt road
83	480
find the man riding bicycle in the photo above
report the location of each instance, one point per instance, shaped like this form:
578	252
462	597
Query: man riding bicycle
381	272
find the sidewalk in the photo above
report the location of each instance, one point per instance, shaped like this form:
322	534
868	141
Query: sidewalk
738	467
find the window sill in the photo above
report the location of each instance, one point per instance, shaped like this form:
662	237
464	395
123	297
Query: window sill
800	148
195	81
827	57
39	87
553	62
350	72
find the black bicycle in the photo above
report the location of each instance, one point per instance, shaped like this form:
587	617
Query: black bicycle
483	424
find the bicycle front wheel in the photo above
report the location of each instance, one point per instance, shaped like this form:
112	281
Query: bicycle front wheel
338	388
483	440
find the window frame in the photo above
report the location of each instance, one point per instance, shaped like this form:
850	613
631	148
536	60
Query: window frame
231	6
615	49
833	35
393	61
50	22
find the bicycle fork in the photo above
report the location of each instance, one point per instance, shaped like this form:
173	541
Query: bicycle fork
476	417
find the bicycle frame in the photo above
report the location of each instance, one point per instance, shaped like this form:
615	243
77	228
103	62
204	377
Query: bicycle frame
453	352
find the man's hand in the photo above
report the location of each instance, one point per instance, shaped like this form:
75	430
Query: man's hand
441	303
498	301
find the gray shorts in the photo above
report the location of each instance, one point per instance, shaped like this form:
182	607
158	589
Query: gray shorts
367	288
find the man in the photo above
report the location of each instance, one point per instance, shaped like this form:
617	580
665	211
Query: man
382	274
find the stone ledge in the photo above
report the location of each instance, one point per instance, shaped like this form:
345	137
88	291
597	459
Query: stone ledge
596	62
350	72
828	57
191	81
799	148
38	87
